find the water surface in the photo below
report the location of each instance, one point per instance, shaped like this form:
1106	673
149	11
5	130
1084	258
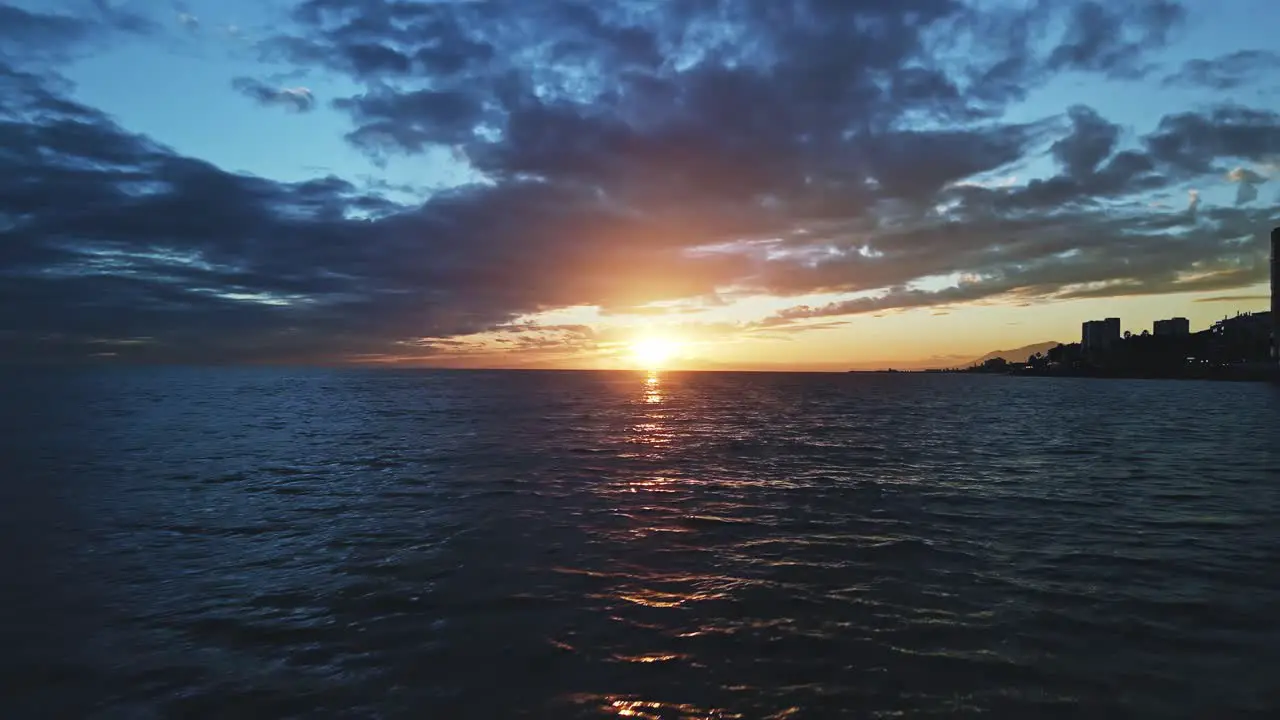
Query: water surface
314	543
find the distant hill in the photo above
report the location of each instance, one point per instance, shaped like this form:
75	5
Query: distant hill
1015	355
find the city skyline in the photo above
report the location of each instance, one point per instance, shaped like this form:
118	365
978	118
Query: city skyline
561	183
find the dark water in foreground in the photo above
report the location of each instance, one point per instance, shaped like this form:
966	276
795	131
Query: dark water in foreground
272	543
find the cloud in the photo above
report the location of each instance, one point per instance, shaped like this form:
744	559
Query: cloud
1245	175
184	16
298	99
123	234
1200	261
371	39
122	19
1091	141
41	37
1233	298
29	34
694	150
1114	39
411	122
1247	182
1190	142
1226	72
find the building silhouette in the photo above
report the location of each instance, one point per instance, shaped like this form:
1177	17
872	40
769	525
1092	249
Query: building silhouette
1173	327
1275	296
1244	347
1099	336
1244	338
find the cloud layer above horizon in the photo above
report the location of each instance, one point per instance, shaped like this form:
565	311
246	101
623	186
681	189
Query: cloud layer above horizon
626	155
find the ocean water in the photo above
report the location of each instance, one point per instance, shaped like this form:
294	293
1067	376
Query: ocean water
242	543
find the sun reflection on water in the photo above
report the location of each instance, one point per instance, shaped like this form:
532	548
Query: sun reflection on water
650	710
652	387
648	429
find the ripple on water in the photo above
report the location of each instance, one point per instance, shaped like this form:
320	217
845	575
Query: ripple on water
354	544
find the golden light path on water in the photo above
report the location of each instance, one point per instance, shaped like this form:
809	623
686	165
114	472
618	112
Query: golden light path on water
652	437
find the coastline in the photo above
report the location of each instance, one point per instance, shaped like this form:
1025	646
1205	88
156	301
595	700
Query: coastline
1229	374
1255	374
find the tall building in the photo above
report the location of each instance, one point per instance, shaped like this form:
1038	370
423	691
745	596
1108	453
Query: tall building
1172	327
1250	323
1275	296
1099	335
1244	338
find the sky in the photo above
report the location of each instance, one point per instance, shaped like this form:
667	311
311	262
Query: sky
704	184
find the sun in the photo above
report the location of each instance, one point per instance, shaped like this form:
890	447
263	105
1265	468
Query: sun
652	353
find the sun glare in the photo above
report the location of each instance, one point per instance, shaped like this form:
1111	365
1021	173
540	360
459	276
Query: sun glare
653	353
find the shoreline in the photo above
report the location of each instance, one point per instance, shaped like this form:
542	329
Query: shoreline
1225	375
1222	375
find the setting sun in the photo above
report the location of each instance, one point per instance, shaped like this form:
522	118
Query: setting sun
653	353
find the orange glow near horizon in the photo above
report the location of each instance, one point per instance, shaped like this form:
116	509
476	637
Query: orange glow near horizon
731	336
653	353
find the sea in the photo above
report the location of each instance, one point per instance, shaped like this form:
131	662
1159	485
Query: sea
318	543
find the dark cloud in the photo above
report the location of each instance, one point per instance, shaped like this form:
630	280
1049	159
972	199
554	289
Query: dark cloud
411	121
1233	298
121	18
1183	146
298	99
28	36
1066	254
631	152
824	59
1247	182
24	33
1127	172
1091	141
372	39
1214	258
113	236
1226	72
1192	142
1114	39
816	103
